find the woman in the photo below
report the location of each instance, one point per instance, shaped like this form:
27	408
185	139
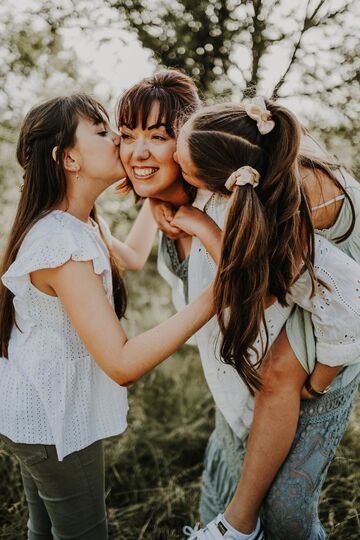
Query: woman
234	416
65	356
254	150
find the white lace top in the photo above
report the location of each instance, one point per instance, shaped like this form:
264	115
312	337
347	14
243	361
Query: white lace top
334	313
335	309
51	389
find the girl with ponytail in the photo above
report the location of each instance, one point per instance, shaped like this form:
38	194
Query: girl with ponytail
269	260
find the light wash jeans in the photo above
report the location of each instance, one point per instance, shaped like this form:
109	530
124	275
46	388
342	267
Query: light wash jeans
290	510
66	499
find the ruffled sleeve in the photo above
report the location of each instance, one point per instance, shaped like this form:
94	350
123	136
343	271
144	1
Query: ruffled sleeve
51	250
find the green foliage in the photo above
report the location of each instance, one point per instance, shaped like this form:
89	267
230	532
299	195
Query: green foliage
215	42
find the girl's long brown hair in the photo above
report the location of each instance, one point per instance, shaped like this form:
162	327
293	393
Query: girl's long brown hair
46	126
268	230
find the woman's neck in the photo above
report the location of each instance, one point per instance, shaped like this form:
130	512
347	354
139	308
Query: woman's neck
175	195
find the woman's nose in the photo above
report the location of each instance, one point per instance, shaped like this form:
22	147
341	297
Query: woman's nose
141	151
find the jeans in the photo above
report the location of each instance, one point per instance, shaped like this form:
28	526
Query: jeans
290	509
66	499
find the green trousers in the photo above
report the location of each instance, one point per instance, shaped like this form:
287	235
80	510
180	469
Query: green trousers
66	499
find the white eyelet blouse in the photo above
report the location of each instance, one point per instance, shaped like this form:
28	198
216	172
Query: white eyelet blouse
335	314
51	390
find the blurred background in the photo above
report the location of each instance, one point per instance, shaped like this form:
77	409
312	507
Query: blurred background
303	52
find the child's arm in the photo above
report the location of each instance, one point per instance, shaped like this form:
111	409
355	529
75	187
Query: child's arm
134	252
196	223
83	296
319	381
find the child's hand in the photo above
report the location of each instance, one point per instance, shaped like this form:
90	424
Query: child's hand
163	213
190	220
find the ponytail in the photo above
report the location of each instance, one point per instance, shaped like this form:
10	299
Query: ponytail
242	281
268	233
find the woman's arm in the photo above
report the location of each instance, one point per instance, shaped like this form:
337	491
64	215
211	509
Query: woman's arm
196	223
134	252
125	360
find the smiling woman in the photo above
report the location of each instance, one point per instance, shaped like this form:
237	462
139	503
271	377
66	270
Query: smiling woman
148	116
147	155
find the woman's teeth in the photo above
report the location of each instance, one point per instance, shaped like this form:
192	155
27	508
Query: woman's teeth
143	173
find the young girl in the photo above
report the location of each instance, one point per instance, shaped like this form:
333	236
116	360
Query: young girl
268	236
65	357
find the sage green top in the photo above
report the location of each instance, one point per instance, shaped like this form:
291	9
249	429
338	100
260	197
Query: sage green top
299	327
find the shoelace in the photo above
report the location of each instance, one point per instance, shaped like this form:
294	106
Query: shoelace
191	532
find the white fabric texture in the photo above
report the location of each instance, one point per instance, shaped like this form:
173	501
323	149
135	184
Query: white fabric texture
51	389
335	315
335	310
229	392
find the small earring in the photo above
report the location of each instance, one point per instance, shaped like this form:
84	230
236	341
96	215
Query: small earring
76	177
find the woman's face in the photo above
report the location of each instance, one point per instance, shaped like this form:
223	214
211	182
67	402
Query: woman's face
183	158
96	151
147	156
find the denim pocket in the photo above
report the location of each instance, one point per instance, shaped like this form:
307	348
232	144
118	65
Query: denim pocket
28	454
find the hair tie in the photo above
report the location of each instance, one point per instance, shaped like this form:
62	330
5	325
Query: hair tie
256	109
241	177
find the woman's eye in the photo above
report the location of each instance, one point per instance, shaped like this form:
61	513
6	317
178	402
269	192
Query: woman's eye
159	138
103	133
125	136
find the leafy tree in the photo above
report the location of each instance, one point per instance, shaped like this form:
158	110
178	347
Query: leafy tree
307	48
34	62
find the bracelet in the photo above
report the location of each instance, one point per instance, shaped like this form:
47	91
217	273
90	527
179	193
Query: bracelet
312	391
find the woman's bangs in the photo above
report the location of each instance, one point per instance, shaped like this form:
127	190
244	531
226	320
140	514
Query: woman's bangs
135	108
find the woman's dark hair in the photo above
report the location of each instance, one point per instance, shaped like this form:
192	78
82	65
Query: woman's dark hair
268	230
176	95
48	125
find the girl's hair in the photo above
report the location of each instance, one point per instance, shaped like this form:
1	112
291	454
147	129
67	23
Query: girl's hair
268	230
176	95
48	125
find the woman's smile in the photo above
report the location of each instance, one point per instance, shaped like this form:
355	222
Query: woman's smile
143	173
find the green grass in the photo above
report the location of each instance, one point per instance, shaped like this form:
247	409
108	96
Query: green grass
153	470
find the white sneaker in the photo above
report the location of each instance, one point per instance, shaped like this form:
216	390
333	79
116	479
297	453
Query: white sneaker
215	530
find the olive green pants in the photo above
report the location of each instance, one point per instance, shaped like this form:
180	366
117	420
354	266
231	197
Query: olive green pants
66	499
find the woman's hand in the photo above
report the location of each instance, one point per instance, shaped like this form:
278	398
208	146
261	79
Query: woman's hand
163	213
